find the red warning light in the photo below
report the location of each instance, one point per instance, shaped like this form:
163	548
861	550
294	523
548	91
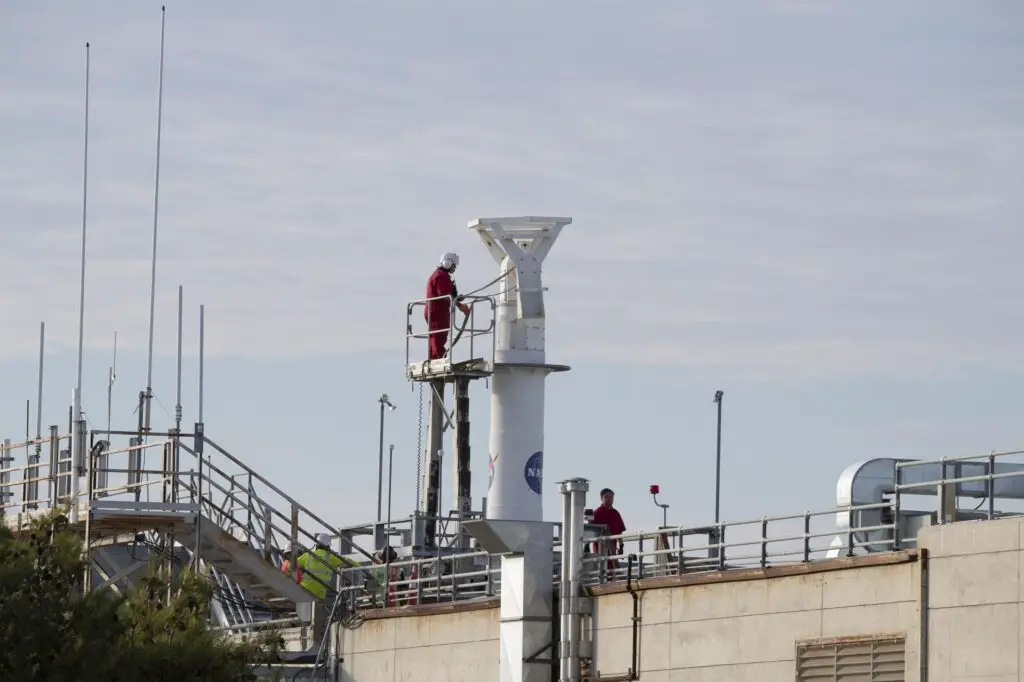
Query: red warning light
655	490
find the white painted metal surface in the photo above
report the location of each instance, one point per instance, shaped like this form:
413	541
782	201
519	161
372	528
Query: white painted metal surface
519	245
527	599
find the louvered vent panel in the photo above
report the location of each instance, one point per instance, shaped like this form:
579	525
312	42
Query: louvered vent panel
861	660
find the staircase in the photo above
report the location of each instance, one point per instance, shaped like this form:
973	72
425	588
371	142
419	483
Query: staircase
211	505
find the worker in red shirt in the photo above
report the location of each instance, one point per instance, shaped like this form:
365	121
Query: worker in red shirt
438	313
608	516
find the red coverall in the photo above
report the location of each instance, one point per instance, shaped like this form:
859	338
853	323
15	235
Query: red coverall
610	517
438	314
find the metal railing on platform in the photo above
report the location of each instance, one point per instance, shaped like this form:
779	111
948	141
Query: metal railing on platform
757	543
462	334
984	476
146	476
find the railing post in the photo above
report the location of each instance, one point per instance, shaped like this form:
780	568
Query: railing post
941	492
897	541
764	542
249	528
267	533
807	536
293	541
640	554
721	546
849	541
418	585
682	553
54	464
991	485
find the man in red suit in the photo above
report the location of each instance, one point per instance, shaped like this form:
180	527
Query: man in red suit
438	312
607	515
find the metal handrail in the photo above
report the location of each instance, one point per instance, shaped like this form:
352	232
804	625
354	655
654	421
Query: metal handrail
440	578
455	332
952	481
906	464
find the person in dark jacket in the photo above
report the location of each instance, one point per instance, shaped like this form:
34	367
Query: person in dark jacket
608	516
438	312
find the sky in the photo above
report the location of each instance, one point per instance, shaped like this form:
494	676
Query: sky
812	206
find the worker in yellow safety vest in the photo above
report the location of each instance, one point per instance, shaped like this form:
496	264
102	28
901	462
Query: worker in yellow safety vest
322	564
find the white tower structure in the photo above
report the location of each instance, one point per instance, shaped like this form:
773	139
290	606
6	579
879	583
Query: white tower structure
515	491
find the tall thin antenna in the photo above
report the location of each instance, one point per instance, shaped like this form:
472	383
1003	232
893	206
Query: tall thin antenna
156	213
78	433
177	407
110	384
39	395
85	204
202	332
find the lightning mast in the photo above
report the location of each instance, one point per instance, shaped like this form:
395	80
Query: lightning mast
519	245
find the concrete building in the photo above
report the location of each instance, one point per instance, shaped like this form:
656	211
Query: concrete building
947	611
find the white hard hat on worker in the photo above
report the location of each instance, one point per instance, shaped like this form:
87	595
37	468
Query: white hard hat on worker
450	261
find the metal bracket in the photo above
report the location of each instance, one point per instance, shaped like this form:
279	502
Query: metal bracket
535	657
448	418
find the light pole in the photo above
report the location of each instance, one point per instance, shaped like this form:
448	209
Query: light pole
384	402
718	456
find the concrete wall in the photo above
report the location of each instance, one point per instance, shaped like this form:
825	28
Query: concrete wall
963	590
746	631
975	608
701	628
446	646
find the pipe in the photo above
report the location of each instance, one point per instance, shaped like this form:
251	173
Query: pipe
575	491
564	584
634	669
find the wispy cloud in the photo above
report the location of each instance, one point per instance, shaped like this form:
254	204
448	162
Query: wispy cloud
753	191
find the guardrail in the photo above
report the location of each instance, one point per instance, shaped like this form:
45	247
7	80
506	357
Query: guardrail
955	476
456	331
757	543
166	469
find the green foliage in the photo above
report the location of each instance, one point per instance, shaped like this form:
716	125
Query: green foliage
51	632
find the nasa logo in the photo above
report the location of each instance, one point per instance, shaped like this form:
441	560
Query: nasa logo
534	471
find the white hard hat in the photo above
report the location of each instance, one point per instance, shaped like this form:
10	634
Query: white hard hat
449	260
323	539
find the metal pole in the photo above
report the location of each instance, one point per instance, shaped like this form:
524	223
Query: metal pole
391	459
78	447
380	457
110	384
202	329
39	395
199	436
177	407
34	473
156	212
718	456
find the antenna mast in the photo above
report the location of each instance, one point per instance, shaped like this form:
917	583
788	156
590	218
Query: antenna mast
156	212
39	395
110	384
78	435
177	406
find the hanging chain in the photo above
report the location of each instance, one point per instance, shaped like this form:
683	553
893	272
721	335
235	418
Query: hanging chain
419	450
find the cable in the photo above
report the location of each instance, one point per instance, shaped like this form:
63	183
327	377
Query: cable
493	281
419	451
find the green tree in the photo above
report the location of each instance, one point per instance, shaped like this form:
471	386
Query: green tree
51	632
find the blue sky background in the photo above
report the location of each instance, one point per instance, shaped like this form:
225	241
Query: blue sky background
813	206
